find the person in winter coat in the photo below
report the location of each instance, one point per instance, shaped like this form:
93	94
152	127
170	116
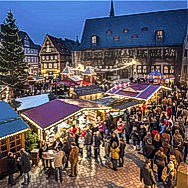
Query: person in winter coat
146	175
66	150
96	145
135	137
88	143
149	151
178	155
142	134
57	144
25	165
11	163
102	128
114	138
74	153
160	160
143	109
120	126
43	148
58	164
178	141
114	155
81	142
107	138
121	152
169	111
170	179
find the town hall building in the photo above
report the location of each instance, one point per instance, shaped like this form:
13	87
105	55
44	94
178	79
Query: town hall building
119	47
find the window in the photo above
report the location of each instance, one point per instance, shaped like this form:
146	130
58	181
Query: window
152	68
45	65
26	42
171	69
158	68
144	29
43	57
109	32
50	65
159	34
47	57
116	37
55	56
139	69
145	69
185	69
165	69
55	65
126	30
48	46
185	53
135	36
94	39
51	57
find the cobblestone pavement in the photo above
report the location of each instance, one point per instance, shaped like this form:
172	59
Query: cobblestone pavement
90	175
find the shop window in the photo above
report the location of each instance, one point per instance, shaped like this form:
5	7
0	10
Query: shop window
139	69
158	68
144	29
135	36
185	69
165	69
126	30
116	37
152	68
159	34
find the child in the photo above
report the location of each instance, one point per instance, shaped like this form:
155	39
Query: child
114	155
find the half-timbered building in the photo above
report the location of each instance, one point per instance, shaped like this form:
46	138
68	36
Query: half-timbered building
55	54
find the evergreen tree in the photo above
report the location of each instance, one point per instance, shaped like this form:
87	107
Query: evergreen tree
13	69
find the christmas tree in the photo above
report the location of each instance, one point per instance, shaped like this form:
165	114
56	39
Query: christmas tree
13	69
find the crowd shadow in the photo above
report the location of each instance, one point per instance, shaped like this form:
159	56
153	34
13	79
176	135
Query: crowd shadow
139	162
110	184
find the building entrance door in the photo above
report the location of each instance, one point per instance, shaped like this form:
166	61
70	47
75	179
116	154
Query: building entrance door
124	73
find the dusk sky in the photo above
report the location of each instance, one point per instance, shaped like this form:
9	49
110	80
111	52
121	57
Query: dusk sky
66	18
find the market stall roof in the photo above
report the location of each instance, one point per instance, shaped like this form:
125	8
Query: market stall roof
85	104
56	111
138	91
88	90
51	113
32	101
10	122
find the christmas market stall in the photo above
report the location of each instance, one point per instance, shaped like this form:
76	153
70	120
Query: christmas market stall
143	92
12	129
51	119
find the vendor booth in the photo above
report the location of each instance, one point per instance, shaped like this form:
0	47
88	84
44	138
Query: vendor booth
52	118
12	129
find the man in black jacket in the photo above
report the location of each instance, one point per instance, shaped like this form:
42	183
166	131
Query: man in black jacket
88	143
146	174
11	161
96	145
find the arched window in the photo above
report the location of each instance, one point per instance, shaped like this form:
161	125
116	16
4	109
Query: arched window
116	37
125	30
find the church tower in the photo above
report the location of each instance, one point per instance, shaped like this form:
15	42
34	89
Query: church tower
112	9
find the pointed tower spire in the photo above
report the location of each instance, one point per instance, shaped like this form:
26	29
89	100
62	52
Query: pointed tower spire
112	9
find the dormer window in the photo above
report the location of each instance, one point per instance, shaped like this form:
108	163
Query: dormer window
126	30
94	40
135	36
109	32
144	29
48	46
26	41
116	37
159	34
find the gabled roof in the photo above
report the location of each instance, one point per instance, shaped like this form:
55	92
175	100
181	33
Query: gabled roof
67	70
32	101
88	90
136	29
63	46
89	71
10	122
23	34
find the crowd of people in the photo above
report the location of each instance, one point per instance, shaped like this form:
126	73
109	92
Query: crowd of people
156	130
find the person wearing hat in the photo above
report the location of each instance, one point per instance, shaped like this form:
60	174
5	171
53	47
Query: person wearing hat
11	163
160	160
146	175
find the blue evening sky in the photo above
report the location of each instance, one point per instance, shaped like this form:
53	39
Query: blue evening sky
66	18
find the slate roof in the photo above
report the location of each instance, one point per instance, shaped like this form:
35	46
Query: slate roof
51	112
10	122
32	101
136	30
23	34
63	46
88	90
